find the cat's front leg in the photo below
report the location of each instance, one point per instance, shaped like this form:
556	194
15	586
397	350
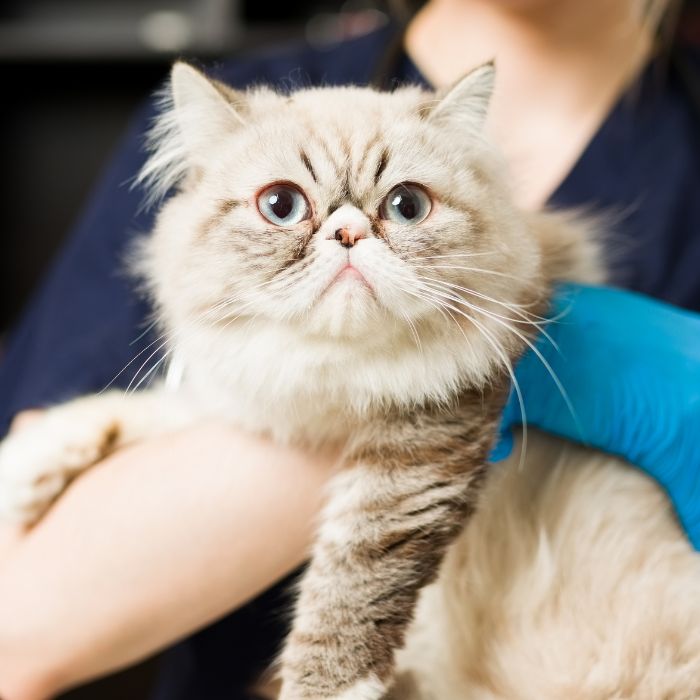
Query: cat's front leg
383	536
38	461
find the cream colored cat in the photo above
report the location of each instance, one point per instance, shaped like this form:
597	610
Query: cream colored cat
346	266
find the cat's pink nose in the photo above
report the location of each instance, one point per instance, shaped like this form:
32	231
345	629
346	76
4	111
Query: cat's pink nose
349	235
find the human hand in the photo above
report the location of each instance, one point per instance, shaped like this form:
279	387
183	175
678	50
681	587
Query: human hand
630	367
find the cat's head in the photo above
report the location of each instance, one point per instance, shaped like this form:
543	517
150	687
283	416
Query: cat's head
348	215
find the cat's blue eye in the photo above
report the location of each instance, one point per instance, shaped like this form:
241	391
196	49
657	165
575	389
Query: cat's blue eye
407	203
283	205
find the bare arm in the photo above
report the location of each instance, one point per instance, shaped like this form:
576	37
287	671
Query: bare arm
155	542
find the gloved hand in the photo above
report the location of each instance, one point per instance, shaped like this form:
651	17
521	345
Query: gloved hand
631	368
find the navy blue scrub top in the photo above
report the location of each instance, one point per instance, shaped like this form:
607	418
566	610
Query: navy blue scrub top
643	166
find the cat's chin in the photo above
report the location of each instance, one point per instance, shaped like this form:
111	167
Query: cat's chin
347	308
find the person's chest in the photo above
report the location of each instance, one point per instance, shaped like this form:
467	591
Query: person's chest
640	175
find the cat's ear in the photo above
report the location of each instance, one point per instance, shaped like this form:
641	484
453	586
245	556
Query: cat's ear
196	112
204	109
465	104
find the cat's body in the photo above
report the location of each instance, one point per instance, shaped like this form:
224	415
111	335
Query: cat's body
338	267
572	580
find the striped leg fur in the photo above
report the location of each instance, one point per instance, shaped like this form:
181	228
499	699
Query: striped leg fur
388	523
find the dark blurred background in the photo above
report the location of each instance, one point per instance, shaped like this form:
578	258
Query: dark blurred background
71	74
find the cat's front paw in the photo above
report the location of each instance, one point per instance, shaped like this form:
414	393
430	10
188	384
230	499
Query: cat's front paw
37	462
367	689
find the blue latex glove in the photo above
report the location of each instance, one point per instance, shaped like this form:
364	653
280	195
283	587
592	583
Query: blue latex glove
631	368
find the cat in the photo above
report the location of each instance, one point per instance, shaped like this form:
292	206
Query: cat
337	267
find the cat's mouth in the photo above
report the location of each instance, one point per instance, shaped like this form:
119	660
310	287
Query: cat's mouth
349	274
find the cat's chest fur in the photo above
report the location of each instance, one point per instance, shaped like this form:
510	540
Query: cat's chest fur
268	379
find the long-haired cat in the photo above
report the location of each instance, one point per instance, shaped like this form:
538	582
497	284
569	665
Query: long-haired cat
346	267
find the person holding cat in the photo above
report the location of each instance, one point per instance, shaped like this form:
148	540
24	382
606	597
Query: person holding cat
582	136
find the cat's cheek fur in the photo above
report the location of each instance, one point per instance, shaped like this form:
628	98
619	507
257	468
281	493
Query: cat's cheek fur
179	266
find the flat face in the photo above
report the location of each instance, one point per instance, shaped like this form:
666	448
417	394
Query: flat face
342	210
357	243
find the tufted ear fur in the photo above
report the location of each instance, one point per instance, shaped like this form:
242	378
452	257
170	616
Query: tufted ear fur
203	108
195	111
465	104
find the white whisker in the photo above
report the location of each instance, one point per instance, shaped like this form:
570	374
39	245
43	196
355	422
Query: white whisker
491	340
503	322
150	372
478	270
456	255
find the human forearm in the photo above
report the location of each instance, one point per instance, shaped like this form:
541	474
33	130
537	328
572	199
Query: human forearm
156	542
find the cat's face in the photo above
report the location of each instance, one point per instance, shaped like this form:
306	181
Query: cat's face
340	212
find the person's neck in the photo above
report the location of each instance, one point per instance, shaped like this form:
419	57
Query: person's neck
568	62
596	40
